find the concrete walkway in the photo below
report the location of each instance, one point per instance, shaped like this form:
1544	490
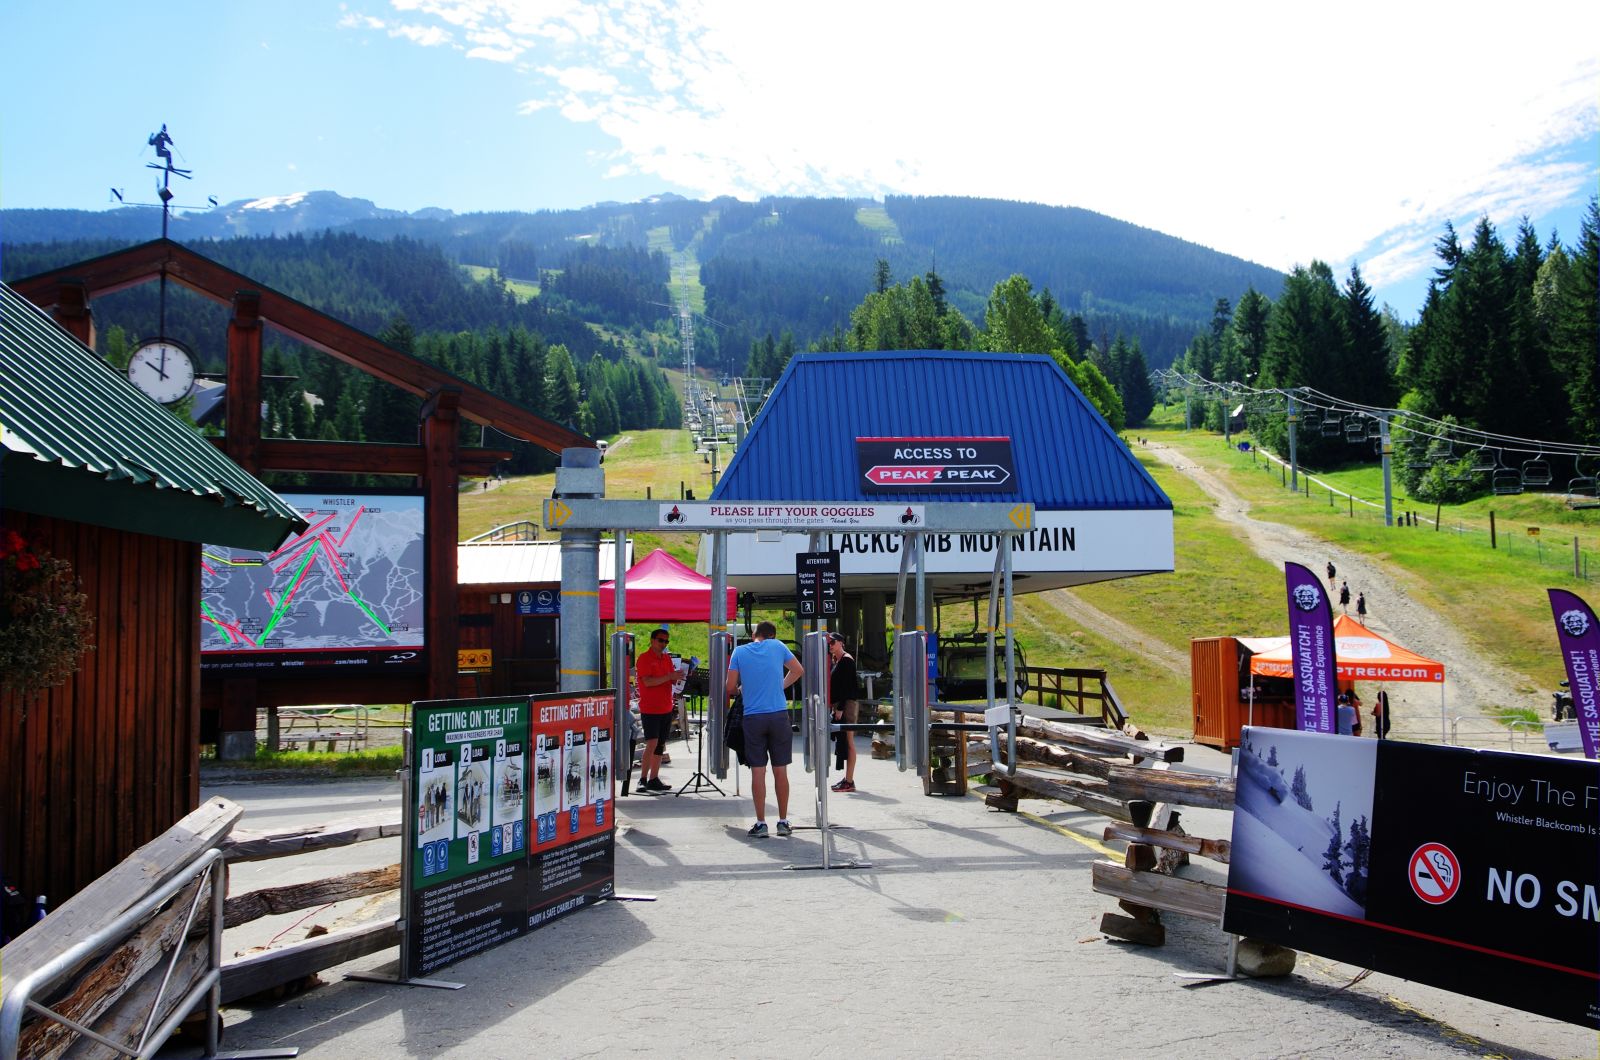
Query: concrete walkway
973	933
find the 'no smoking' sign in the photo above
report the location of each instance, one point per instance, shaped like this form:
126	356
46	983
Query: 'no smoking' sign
1435	873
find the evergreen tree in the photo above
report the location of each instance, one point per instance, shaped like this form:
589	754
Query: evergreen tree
1367	352
1138	400
1575	331
1332	858
561	394
1297	788
1013	320
1272	756
881	277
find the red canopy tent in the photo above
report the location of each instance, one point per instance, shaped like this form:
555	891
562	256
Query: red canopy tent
1362	655
660	589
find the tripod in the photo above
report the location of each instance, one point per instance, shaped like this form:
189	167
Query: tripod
695	783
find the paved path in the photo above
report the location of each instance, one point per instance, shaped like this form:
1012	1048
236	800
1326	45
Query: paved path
973	933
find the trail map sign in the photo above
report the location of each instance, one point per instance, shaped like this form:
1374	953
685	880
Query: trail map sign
936	465
468	836
511	820
347	592
1475	871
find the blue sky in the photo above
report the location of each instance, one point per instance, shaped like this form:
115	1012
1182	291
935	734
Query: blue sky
1276	132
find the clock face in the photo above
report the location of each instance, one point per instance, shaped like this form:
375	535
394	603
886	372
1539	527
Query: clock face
163	369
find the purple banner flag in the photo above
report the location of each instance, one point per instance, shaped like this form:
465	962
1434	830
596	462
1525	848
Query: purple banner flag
1311	644
1579	635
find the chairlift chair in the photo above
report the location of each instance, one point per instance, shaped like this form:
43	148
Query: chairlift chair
1441	452
1482	462
1355	430
1506	480
1310	417
1332	427
1581	485
1536	472
1375	430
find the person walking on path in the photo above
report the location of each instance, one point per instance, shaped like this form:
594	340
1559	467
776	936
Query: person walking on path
1344	596
656	672
764	668
1361	608
844	693
1331	572
1380	715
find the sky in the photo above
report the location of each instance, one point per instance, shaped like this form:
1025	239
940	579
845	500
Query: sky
1280	133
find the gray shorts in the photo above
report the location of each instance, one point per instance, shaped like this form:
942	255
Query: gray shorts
768	735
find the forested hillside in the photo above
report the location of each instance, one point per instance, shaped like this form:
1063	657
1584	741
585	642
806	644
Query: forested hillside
1507	344
769	267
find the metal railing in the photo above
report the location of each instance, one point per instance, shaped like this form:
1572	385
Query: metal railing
20	998
1077	689
1509	730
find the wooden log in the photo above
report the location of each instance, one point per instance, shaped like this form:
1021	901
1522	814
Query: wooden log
245	845
1129	929
1046	753
288	898
1139	857
262	971
104	985
1086	794
1099	740
1171	894
1215	849
124	886
126	1021
1186	789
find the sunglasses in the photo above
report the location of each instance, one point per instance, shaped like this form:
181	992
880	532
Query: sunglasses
658	640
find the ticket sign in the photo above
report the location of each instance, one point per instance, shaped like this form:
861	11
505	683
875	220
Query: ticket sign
467	831
936	465
816	584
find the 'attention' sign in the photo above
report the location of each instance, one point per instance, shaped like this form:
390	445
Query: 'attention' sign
935	465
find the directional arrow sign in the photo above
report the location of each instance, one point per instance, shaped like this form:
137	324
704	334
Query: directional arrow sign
556	514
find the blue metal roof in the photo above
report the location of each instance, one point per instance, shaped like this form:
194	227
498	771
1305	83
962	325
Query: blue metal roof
802	443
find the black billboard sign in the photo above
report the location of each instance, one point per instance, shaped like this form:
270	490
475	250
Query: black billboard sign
816	584
1474	871
936	465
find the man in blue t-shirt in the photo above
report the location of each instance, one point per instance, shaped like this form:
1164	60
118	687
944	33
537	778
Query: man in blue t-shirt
763	668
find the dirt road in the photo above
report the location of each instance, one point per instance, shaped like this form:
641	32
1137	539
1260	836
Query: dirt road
1472	683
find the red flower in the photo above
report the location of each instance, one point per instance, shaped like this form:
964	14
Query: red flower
12	542
27	561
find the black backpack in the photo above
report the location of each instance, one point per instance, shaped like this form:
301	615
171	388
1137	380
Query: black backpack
733	728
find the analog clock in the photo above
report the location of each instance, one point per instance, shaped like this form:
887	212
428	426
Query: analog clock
163	369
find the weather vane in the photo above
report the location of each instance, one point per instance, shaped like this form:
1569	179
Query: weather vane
162	142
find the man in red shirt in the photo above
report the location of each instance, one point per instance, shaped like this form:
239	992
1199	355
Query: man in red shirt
656	672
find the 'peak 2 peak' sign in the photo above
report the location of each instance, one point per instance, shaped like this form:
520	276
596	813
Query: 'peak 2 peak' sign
936	465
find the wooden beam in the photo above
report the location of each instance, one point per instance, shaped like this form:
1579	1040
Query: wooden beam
1185	789
140	264
243	398
103	985
1215	849
1170	894
118	890
262	971
259	846
1031	750
363	458
286	899
1099	740
71	310
1087	794
441	489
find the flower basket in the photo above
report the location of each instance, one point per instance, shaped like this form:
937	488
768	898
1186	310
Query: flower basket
45	624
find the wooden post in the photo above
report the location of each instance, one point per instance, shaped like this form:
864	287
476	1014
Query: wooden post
1436	510
1352	505
441	418
243	401
1491	528
72	312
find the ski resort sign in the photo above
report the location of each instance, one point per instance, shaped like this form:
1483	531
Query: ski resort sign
935	465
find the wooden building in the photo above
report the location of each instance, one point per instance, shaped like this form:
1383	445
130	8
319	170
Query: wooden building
94	473
437	461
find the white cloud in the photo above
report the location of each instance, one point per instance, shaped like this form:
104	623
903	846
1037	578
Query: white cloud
427	36
1276	132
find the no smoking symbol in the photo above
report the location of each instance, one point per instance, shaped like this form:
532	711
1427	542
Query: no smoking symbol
1435	873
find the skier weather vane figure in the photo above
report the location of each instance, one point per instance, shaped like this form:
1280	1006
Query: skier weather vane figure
162	142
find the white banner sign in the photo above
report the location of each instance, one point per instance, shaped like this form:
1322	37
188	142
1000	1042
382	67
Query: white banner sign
842	516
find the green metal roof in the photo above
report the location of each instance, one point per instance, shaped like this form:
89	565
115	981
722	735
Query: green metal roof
80	442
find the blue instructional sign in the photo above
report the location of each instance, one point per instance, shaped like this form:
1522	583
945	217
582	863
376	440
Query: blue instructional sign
538	602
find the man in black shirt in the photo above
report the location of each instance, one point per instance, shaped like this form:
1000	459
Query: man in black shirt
844	690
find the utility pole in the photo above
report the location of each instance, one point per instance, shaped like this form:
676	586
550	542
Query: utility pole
1388	493
1294	463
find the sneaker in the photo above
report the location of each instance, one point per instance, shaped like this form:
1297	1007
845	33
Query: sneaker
759	830
654	784
844	785
784	829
